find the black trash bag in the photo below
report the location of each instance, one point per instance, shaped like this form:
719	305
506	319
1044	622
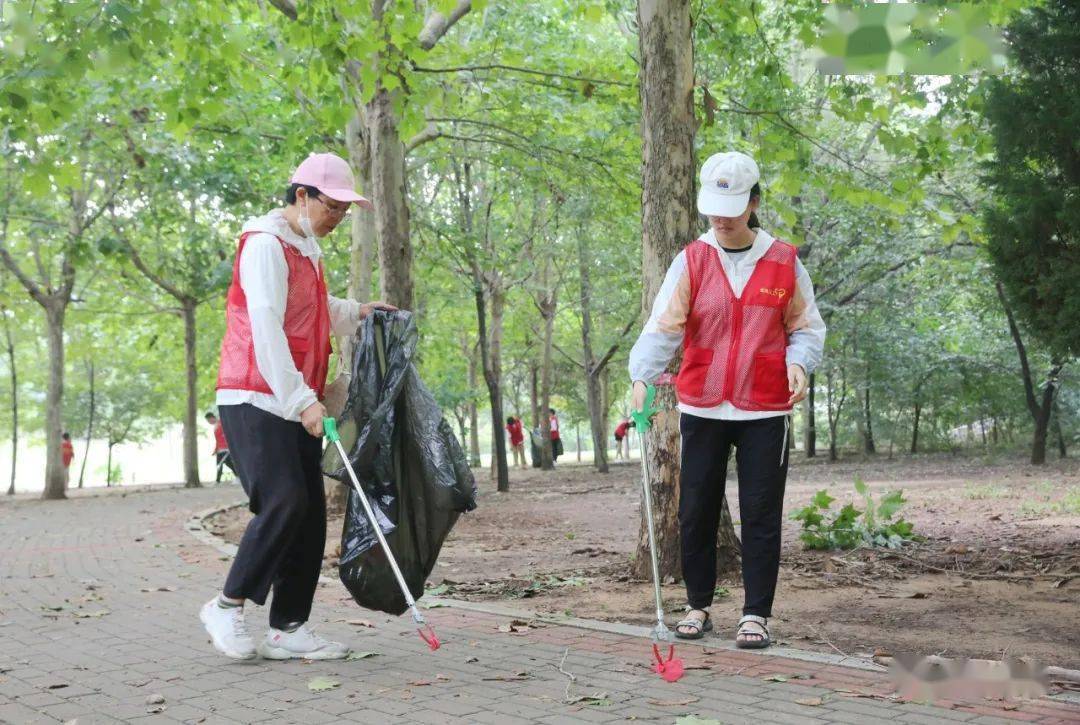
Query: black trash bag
408	461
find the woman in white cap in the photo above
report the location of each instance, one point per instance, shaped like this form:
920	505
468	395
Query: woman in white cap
740	304
274	360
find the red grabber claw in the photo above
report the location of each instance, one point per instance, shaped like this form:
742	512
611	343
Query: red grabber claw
428	635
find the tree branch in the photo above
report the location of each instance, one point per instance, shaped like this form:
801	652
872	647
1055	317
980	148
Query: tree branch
438	24
519	69
599	366
288	7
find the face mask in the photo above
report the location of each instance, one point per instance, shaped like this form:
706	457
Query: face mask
305	222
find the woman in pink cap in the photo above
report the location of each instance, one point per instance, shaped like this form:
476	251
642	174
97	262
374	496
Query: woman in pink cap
274	361
740	304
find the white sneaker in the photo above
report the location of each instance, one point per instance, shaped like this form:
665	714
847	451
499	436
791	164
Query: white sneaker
227	630
301	644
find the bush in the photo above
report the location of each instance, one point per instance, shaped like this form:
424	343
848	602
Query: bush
874	525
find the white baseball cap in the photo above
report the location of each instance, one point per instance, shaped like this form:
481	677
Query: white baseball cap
726	180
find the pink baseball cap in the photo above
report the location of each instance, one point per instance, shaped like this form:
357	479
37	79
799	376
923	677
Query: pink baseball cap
332	176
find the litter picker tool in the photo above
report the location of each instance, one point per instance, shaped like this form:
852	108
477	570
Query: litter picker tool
423	628
671	669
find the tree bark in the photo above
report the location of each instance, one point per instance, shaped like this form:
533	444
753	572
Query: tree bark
108	466
592	386
810	434
1062	452
547	310
10	345
390	200
666	91
55	479
915	429
488	353
363	222
1040	413
90	422
868	427
191	444
474	433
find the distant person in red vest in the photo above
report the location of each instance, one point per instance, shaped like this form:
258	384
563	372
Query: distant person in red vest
274	360
556	439
621	431
517	440
741	306
67	455
221	447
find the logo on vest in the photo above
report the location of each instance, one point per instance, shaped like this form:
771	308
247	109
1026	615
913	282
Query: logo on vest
777	292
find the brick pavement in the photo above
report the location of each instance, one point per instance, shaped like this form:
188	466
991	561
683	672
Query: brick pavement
98	622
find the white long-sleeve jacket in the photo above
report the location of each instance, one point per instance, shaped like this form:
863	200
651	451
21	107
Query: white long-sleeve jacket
664	331
264	277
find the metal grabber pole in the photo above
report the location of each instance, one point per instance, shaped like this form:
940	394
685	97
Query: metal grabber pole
423	628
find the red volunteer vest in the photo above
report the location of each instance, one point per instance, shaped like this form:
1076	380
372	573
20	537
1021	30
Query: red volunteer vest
734	349
220	444
307	327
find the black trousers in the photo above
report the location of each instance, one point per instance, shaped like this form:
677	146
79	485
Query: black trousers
222	459
279	465
761	458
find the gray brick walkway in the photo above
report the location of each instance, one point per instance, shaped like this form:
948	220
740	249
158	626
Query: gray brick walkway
98	622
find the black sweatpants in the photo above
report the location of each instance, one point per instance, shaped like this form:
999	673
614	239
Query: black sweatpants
279	464
761	457
222	459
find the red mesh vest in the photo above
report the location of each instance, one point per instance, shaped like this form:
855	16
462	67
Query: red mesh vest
307	327
734	349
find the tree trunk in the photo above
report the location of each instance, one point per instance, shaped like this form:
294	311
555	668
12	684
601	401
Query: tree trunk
534	394
666	92
915	429
10	345
592	387
1062	452
191	443
108	467
389	198
55	478
868	427
490	352
90	422
547	309
474	422
363	222
810	435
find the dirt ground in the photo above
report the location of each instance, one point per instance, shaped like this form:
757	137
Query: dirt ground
999	572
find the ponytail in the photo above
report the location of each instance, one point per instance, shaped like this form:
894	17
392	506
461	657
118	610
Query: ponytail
755	193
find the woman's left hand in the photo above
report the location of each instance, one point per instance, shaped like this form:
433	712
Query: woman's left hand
369	307
796	377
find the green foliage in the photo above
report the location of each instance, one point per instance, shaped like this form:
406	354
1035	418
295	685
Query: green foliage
1033	219
873	525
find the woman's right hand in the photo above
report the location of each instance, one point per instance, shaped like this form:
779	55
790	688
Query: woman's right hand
638	401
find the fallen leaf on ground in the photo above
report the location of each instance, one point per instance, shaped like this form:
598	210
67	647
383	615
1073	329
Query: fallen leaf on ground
88	615
57	686
321	684
957	549
361	655
155	699
158	589
359	623
420	683
674	703
470	660
599	699
156	709
444	678
811	701
777	678
514	625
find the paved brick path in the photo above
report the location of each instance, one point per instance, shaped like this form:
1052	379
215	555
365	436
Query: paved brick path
98	622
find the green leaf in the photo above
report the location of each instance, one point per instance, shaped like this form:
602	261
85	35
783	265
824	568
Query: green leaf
861	487
321	684
361	655
822	499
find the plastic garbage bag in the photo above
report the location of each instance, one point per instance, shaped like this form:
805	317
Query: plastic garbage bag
408	461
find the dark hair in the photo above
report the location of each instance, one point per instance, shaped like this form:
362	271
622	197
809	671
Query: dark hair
66	436
755	193
290	193
210	414
510	420
551	410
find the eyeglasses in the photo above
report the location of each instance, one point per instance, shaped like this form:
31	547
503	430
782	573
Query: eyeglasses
338	211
